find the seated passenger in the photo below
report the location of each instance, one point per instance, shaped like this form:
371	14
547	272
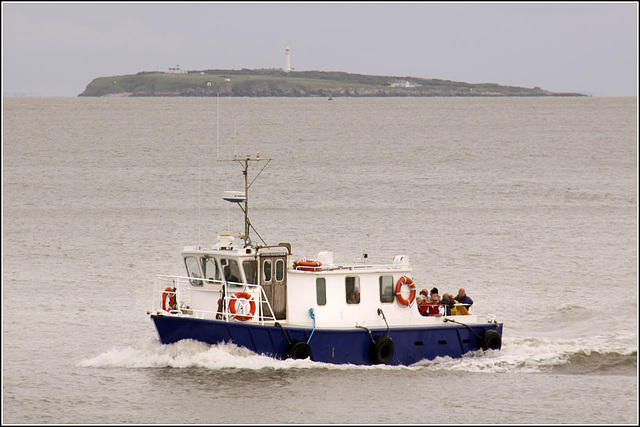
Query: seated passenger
463	298
459	310
435	308
433	292
423	306
452	307
449	304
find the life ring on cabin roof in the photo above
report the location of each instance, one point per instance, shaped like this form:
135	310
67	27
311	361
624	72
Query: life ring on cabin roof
252	306
306	264
405	280
169	299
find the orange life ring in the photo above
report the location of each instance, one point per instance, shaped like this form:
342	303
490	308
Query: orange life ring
252	305
306	264
169	295
405	280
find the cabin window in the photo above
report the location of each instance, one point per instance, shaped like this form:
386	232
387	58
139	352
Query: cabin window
231	270
210	268
279	270
386	288
352	285
193	270
250	270
321	291
266	270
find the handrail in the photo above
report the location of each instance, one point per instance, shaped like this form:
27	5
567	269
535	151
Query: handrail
183	289
307	269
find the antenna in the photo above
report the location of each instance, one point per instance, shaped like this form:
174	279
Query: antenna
239	197
218	125
236	196
199	199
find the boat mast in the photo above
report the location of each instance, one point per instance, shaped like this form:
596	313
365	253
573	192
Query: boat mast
245	171
247	241
245	197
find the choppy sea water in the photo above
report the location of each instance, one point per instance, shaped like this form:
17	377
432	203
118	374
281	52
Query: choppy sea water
529	204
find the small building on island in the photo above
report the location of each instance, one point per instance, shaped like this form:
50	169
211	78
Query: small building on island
401	83
176	70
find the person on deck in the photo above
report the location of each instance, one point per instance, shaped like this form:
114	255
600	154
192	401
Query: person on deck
435	309
430	294
463	298
423	306
449	303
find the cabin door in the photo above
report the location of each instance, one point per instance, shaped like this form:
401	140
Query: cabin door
273	279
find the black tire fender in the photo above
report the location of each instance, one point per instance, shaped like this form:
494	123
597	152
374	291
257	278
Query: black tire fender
299	350
382	350
491	340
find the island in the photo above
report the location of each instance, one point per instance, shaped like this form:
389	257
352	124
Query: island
278	83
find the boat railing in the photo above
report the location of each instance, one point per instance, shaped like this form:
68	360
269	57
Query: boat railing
351	267
467	306
172	295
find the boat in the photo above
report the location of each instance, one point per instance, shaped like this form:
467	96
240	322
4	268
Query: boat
259	297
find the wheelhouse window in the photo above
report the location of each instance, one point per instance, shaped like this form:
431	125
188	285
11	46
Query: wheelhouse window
352	287
266	270
279	270
249	267
231	270
386	288
321	291
210	268
193	270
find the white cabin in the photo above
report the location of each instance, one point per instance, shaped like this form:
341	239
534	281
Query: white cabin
341	296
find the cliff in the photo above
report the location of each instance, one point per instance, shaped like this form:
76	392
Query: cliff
270	82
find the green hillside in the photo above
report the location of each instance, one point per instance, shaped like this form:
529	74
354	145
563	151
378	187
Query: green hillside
271	82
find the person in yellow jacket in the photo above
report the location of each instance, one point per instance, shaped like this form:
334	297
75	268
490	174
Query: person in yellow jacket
451	308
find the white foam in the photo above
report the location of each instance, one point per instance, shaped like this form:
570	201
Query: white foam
189	353
528	354
532	354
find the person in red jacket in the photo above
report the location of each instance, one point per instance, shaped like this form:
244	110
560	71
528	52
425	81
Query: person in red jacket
423	305
435	308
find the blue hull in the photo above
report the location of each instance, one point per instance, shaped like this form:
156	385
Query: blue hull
329	345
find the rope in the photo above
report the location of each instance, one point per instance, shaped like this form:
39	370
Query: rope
380	312
313	317
283	331
465	325
366	329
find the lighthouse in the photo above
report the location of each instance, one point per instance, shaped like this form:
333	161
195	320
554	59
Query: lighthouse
287	60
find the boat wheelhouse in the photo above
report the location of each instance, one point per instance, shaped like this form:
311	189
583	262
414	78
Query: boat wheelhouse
259	297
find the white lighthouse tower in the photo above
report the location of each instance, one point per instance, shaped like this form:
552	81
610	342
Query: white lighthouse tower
287	60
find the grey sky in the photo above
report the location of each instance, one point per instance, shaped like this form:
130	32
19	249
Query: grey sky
53	49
